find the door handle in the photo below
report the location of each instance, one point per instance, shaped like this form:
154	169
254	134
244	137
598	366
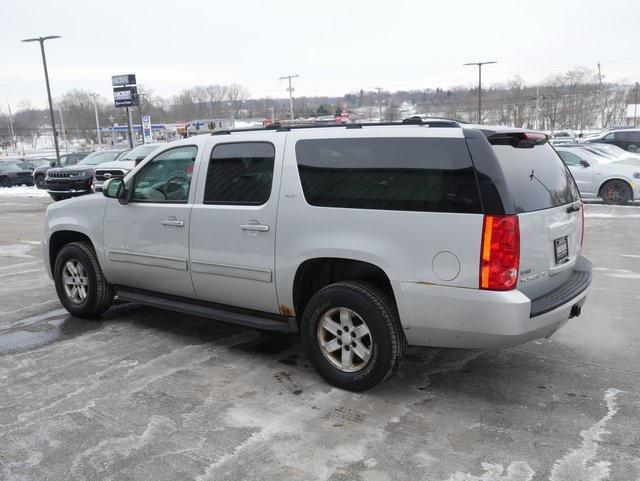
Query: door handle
255	227
173	222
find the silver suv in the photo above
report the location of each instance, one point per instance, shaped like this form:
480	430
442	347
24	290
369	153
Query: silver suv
365	238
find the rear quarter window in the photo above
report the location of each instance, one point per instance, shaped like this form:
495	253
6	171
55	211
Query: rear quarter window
409	174
537	178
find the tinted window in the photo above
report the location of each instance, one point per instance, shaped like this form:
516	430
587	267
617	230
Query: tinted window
240	173
412	174
99	157
167	178
537	178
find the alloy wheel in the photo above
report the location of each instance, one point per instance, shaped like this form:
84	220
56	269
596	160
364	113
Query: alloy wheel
75	281
345	339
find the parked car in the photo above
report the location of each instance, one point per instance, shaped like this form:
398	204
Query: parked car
364	238
627	139
612	181
40	172
121	167
76	179
32	163
11	173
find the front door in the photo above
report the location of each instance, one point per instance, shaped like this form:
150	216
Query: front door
146	241
233	224
583	174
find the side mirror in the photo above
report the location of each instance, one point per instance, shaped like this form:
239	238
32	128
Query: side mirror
584	164
138	160
115	189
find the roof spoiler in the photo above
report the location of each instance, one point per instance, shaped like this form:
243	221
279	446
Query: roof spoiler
519	140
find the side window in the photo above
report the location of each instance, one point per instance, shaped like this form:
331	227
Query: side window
569	158
240	173
167	178
410	174
611	136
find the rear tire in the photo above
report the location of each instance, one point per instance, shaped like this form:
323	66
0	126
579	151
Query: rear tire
616	192
632	148
5	182
352	336
81	287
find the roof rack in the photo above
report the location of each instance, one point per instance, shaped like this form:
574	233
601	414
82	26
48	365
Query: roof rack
428	122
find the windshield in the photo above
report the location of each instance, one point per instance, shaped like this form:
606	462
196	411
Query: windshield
537	177
140	151
99	157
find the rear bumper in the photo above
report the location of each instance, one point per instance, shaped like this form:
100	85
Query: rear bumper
445	316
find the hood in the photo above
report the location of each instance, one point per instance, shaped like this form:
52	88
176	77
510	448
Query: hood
117	164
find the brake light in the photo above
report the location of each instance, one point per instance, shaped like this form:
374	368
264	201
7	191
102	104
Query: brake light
500	252
538	137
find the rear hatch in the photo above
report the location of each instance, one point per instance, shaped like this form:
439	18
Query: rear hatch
549	212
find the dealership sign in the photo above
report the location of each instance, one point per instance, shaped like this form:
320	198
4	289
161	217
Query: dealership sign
121	80
125	96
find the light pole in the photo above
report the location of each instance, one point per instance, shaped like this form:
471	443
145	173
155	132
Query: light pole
479	64
290	89
46	78
95	110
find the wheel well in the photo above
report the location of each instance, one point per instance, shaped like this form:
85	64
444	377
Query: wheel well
314	274
60	239
612	179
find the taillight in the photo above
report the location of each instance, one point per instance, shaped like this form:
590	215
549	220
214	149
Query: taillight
500	252
582	233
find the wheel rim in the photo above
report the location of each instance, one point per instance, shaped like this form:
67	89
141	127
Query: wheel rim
616	192
345	339
75	282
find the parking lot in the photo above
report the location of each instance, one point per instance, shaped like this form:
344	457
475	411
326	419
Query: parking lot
149	395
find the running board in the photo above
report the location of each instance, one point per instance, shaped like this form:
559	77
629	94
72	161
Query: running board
268	322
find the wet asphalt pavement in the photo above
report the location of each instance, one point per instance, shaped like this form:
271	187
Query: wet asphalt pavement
142	394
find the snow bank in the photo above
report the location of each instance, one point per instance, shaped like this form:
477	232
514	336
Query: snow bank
22	191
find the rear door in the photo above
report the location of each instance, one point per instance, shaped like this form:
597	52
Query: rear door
549	212
232	238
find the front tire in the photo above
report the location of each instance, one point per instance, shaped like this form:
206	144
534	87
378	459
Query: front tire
352	336
58	197
40	182
632	148
81	287
616	192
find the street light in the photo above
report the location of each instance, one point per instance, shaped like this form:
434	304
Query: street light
479	64
46	78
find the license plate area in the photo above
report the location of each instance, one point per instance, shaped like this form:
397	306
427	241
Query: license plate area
561	250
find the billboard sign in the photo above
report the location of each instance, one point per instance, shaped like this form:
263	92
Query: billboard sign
125	96
121	80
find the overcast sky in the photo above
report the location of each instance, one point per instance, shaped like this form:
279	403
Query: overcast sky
335	46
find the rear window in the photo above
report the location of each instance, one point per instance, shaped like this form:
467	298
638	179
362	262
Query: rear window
537	177
411	174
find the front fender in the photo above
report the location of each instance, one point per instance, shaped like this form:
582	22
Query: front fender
84	215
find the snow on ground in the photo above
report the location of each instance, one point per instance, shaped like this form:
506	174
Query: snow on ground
22	191
16	250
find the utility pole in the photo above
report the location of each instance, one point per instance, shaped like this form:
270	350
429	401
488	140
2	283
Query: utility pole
290	89
95	110
64	134
602	101
46	78
635	108
14	143
537	108
479	64
379	89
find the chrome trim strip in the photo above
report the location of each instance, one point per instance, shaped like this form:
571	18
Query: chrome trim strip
148	260
68	191
226	270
